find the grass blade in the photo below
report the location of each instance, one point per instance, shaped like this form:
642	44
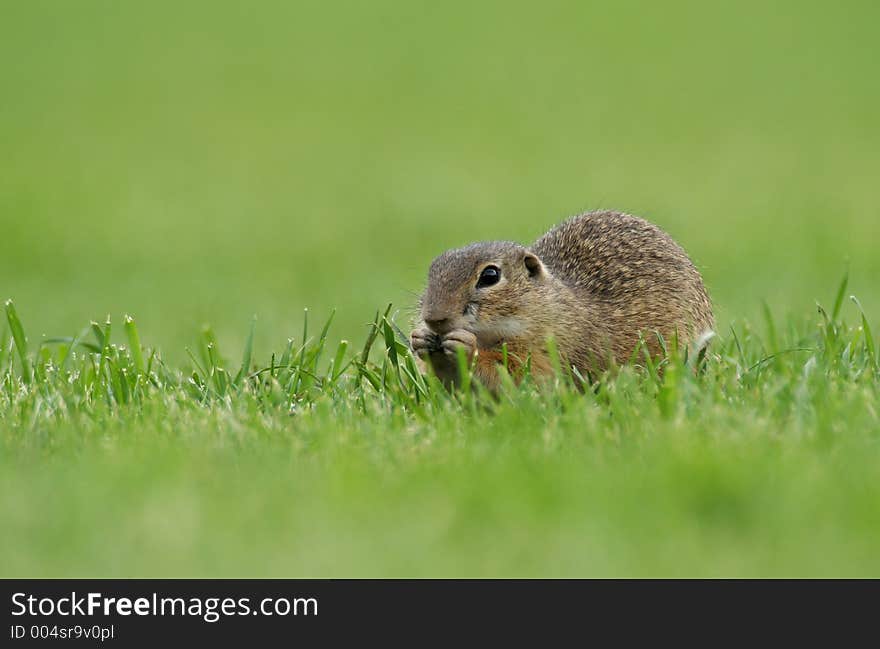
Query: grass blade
287	355
772	338
374	332
20	340
338	361
869	337
322	341
99	336
841	294
134	344
105	348
248	352
388	333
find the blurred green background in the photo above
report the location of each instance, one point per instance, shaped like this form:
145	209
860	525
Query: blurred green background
198	163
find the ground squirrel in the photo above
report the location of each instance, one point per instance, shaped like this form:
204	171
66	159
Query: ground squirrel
596	285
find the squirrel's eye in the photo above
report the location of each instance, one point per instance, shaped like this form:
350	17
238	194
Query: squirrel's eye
489	276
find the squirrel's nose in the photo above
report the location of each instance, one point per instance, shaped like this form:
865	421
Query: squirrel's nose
439	326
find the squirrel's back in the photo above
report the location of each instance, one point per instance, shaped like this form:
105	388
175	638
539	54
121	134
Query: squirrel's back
629	270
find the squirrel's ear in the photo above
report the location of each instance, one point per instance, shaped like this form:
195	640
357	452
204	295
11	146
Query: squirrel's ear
533	265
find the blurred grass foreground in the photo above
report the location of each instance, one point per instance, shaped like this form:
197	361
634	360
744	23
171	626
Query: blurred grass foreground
197	163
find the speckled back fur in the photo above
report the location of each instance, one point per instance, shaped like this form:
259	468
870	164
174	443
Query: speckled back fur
631	276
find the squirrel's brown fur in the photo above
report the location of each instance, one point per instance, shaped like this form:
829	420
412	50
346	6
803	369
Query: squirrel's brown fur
596	284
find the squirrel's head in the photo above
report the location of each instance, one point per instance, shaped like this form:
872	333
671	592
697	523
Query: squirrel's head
485	288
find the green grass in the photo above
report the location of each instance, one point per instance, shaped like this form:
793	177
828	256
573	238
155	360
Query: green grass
763	460
198	162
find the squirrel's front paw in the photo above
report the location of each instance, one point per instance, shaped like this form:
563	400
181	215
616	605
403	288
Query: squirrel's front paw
459	338
424	342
